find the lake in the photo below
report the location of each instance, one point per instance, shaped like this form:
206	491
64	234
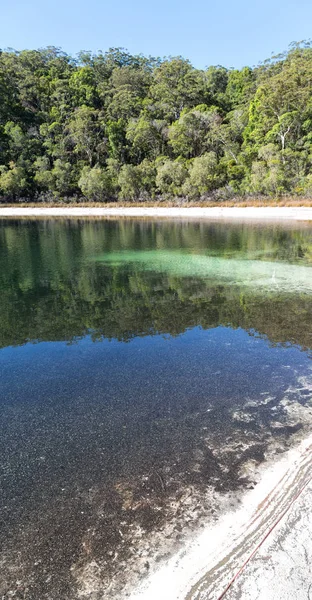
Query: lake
148	370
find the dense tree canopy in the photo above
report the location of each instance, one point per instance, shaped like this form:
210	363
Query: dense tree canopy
112	126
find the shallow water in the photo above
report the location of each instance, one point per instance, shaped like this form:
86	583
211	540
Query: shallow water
147	368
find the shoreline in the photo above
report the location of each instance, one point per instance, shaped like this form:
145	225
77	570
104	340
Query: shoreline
299	213
232	558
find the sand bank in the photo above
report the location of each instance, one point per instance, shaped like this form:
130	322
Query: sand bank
261	213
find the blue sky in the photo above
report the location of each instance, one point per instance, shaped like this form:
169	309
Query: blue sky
232	33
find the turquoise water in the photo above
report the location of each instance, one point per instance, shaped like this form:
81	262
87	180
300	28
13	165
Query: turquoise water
247	272
141	363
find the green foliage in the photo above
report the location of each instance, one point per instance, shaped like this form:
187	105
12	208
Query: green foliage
13	181
176	85
129	182
267	176
59	179
116	137
216	85
137	181
64	178
170	177
82	83
85	134
240	86
43	173
113	125
96	183
147	136
195	131
203	175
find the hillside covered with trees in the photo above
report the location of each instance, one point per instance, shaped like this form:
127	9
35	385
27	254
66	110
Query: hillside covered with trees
112	126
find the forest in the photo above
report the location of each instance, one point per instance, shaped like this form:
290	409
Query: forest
110	127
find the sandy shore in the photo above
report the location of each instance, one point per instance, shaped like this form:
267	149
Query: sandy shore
261	213
261	551
282	568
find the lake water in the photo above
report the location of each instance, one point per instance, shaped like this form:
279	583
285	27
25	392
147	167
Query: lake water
148	369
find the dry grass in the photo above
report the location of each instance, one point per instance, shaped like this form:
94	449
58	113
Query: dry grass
236	202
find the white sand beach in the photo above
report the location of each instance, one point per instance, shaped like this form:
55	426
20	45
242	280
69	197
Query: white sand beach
261	551
261	213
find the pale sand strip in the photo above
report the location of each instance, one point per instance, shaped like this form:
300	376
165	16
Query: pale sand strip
282	568
262	551
270	212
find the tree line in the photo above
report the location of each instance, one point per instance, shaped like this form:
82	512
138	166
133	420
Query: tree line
112	126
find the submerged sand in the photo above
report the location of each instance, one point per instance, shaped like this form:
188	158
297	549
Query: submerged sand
251	212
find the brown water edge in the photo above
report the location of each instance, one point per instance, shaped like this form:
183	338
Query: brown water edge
104	542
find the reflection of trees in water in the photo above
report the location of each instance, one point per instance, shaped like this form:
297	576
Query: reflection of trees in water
51	290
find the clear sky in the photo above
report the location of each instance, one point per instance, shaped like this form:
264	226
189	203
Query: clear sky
208	32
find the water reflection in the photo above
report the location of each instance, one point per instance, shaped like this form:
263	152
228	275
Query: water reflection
61	280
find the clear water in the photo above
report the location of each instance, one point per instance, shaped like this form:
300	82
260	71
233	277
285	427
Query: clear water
142	364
